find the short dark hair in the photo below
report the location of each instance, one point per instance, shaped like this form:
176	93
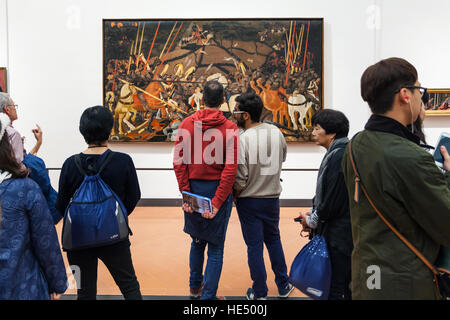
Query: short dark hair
381	81
213	94
332	121
96	124
251	103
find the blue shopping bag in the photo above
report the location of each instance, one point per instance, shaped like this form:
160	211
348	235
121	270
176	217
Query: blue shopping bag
311	270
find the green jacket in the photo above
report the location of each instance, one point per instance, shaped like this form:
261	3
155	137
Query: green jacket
413	195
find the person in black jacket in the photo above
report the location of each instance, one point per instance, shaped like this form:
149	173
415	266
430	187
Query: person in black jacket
120	174
330	215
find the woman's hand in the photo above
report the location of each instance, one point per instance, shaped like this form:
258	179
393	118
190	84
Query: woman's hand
303	216
55	296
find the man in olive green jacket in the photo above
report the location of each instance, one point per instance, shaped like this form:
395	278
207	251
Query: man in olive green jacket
404	184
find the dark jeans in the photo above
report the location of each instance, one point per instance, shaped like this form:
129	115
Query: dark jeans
117	258
340	275
259	223
213	268
207	233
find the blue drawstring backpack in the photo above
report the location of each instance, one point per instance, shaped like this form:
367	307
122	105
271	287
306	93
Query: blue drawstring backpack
95	215
311	270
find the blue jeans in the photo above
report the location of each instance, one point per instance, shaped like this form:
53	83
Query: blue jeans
259	223
214	262
213	267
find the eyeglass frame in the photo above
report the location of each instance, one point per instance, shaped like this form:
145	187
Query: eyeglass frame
414	87
16	106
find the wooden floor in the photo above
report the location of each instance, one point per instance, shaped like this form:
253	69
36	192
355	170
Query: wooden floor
160	252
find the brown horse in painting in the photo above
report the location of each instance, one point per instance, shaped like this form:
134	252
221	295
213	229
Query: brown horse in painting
155	89
273	102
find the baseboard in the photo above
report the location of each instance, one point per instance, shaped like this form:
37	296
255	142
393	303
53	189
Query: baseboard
171	202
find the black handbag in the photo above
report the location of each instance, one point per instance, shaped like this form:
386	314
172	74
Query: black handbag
441	275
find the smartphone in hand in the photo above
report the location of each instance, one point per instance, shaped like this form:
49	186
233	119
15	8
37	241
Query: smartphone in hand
444	140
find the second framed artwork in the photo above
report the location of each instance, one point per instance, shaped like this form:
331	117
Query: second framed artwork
438	103
154	72
3	82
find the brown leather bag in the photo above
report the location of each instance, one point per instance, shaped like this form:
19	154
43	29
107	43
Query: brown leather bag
441	276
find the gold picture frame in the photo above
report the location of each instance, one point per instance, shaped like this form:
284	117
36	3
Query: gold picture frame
154	71
438	104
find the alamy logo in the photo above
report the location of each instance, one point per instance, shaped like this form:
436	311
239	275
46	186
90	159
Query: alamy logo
374	281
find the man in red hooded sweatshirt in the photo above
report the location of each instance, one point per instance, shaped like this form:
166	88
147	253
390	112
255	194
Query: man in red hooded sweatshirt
205	163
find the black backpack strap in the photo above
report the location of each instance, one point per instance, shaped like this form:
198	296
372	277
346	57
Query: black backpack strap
79	166
105	162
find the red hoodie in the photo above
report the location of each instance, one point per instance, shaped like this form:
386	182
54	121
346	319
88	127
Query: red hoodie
217	159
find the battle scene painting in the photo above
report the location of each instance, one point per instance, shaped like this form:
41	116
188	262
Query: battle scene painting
154	72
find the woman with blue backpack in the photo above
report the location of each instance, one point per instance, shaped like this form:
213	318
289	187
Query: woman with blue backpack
98	189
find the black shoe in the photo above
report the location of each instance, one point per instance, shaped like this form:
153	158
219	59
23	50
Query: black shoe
251	295
284	293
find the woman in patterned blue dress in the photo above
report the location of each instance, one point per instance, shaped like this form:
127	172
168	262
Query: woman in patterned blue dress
31	264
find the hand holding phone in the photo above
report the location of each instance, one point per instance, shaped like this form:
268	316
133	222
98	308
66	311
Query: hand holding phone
440	155
446	157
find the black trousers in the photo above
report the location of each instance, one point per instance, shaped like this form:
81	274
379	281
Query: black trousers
117	258
340	275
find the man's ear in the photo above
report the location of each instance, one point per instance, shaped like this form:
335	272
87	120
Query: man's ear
404	95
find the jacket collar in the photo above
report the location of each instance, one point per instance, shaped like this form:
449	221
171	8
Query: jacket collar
385	124
4	175
338	143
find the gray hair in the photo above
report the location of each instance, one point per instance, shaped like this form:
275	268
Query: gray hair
5	99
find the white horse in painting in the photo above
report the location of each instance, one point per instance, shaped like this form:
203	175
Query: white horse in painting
229	107
125	107
297	103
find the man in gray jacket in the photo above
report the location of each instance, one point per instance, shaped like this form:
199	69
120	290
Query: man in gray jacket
257	189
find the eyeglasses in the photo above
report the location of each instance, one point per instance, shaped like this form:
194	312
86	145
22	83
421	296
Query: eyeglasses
422	90
14	105
237	112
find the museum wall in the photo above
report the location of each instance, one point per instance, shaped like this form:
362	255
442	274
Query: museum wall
53	52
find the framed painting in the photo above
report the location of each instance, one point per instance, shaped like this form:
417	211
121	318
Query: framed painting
154	72
438	103
3	82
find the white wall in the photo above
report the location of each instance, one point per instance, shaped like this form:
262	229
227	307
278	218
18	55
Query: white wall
54	57
423	38
3	34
